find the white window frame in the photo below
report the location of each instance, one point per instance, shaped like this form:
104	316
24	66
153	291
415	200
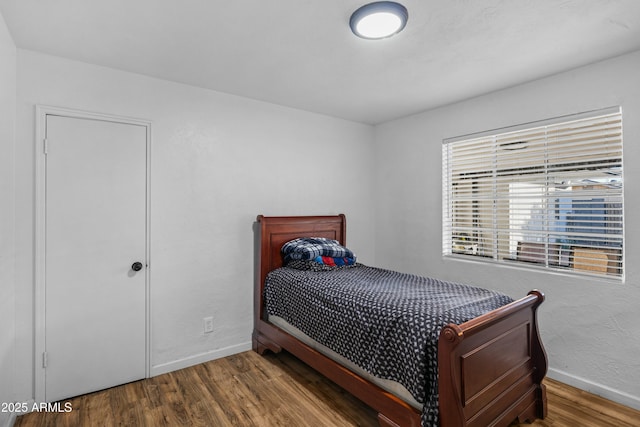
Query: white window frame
545	194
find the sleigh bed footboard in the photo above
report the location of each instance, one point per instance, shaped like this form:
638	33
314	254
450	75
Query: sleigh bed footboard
491	368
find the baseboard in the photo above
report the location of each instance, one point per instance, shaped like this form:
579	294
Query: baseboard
614	395
199	358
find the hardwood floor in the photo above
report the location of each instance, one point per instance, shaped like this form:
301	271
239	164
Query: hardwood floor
275	390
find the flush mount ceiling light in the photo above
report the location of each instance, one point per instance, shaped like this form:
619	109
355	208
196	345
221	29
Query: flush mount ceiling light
378	20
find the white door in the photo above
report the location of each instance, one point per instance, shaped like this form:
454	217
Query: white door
95	230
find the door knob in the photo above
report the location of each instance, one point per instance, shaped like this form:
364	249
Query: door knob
136	266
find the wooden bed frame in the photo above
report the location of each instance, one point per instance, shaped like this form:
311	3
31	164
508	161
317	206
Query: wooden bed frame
490	368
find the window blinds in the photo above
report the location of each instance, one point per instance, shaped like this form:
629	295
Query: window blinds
546	195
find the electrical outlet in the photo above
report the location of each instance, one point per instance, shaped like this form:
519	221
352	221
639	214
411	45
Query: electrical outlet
208	324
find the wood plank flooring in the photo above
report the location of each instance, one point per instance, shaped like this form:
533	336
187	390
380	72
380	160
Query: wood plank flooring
271	391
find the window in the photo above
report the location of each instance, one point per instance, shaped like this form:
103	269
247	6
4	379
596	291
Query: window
547	195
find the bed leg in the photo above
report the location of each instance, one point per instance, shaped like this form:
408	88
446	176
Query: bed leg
260	344
542	401
537	409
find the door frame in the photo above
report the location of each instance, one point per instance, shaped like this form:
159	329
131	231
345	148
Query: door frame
42	111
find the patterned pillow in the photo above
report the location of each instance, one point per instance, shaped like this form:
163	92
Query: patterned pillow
308	248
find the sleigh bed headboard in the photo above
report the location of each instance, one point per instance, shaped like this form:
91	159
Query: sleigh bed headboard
275	231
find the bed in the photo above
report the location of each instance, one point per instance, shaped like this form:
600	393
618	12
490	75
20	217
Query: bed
489	368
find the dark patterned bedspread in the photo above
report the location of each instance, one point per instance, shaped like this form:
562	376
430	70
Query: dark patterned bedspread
384	321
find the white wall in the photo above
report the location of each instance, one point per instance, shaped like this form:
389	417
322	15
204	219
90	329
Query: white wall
589	327
217	162
7	248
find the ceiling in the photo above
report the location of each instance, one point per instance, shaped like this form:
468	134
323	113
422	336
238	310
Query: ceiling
301	53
